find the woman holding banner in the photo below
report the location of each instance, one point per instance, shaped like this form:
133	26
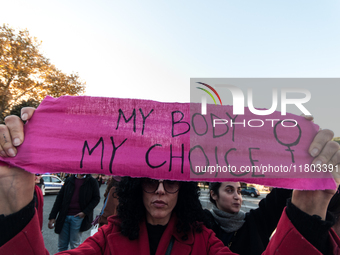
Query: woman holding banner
234	227
154	216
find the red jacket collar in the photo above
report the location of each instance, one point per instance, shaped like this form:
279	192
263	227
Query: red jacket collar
122	245
335	242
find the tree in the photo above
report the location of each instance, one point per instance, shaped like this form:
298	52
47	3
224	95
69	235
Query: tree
25	74
16	109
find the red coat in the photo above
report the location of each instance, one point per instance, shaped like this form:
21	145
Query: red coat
40	203
109	241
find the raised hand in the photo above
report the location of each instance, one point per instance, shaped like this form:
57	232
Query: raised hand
326	154
16	185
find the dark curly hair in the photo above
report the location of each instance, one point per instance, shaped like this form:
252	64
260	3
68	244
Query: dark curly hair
214	186
131	209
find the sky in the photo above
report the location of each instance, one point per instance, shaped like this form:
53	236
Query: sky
150	49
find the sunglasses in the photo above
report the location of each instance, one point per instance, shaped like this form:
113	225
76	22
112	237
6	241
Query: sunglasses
150	185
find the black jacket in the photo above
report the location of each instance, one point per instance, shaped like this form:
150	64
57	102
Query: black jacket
253	237
88	199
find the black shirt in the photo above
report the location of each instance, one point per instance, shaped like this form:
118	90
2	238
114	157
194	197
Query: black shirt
155	233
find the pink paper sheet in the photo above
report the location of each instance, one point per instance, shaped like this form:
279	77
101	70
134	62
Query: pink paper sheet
142	138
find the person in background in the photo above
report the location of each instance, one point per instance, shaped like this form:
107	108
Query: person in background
111	200
72	212
39	181
234	227
67	176
39	198
99	180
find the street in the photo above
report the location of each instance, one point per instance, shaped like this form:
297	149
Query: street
51	239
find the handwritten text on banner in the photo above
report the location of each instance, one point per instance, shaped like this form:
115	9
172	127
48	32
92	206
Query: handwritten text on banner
142	138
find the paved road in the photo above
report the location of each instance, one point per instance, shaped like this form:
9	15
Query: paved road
51	239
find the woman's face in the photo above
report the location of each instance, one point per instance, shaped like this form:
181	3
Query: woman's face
159	205
229	197
37	178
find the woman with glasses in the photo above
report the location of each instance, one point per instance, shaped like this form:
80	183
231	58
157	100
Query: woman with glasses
163	215
155	217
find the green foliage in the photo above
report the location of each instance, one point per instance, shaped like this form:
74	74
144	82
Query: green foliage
25	74
16	109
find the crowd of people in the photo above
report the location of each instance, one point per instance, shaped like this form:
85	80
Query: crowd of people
166	217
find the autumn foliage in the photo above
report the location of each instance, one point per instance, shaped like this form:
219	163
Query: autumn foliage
26	75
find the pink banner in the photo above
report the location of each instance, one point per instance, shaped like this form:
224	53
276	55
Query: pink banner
142	138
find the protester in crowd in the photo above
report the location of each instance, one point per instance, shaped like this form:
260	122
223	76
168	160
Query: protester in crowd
67	176
110	201
39	199
72	212
39	181
234	227
161	215
334	208
99	180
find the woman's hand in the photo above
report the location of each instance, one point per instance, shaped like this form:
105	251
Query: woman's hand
16	185
51	223
12	133
324	151
80	215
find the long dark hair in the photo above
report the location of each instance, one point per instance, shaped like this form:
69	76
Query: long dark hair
110	183
131	209
214	186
